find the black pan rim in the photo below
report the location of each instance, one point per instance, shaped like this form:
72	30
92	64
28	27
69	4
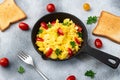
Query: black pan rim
57	13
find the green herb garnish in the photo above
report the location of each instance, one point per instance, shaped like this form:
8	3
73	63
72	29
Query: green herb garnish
92	19
58	51
90	73
40	31
72	43
49	25
67	23
21	70
79	34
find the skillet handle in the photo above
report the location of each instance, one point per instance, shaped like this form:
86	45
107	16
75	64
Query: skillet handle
105	58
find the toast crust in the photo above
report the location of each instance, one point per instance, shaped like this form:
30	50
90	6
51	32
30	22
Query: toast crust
108	26
10	13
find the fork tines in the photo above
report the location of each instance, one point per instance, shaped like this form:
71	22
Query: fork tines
22	55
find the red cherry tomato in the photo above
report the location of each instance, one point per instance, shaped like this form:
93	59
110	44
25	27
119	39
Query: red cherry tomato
70	52
71	77
23	26
98	43
49	52
44	25
53	22
79	28
59	31
39	39
77	41
50	7
4	62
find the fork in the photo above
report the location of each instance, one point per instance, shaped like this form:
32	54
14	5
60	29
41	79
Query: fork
28	59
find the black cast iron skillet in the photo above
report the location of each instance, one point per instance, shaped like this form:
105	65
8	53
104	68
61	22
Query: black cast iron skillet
105	58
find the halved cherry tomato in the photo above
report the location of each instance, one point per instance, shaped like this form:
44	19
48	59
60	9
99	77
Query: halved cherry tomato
79	28
71	77
50	7
77	41
49	52
44	25
53	22
23	26
98	43
4	62
39	39
70	52
59	31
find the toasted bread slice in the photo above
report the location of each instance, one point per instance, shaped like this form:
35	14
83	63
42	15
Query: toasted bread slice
108	26
9	13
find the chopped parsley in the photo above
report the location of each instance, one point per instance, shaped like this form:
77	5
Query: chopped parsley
90	73
49	25
21	70
79	34
40	31
92	19
66	23
72	43
58	51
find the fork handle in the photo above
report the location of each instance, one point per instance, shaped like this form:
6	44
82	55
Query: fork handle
41	74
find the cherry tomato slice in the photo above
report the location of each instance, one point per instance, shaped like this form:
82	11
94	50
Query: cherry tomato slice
71	77
59	31
4	62
49	52
44	25
79	28
77	41
39	39
50	7
53	22
98	43
70	52
23	26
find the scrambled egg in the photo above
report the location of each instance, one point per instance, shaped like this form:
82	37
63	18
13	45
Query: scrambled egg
60	41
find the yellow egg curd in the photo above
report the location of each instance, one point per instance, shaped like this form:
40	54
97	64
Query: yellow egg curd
59	40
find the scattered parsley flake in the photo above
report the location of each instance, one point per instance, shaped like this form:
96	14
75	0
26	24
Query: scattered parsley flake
49	25
58	51
92	19
72	43
21	70
40	31
66	23
79	34
90	73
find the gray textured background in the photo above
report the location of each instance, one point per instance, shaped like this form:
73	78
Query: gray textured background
13	40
